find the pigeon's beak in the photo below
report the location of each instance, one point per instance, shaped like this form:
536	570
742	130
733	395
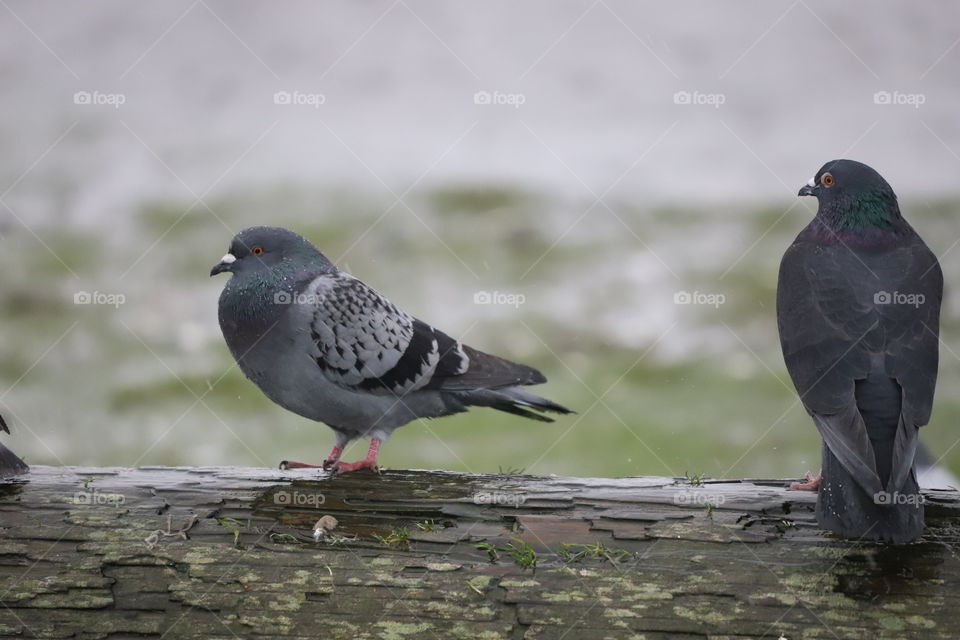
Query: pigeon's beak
225	264
808	189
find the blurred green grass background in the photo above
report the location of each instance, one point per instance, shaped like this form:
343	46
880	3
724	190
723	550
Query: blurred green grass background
659	387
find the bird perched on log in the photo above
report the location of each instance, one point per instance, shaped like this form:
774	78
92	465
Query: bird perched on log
10	464
326	346
858	307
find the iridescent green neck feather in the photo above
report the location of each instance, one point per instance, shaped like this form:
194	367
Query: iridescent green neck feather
868	209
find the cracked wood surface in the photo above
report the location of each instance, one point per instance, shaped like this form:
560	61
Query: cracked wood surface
222	552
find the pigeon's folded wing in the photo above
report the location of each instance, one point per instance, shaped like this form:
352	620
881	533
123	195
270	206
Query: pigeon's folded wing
828	322
365	343
913	329
828	330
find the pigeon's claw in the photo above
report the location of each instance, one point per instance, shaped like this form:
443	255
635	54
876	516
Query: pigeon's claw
370	462
334	457
329	462
810	482
347	467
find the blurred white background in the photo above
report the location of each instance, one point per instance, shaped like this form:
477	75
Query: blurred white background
598	159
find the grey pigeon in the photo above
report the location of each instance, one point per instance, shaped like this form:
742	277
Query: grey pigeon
858	307
326	346
10	464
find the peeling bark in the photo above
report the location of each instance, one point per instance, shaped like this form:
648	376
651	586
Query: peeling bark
227	552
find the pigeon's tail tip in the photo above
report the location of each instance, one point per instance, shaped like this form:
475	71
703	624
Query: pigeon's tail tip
10	464
889	516
535	378
895	528
518	402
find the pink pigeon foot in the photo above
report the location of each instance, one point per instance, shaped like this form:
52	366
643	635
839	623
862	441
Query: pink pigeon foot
370	462
810	483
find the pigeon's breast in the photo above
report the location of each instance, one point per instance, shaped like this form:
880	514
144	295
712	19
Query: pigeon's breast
248	311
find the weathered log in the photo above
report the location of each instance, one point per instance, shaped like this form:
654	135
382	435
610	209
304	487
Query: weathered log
234	552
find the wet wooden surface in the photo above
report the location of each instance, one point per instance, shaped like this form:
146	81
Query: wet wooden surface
236	552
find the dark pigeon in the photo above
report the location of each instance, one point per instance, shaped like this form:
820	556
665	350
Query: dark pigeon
10	464
858	307
326	346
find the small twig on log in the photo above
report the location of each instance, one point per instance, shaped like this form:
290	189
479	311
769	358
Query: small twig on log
154	538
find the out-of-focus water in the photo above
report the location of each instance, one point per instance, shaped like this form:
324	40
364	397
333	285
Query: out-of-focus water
596	159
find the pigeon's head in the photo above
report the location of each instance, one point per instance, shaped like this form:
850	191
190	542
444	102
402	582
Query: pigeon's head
263	249
852	195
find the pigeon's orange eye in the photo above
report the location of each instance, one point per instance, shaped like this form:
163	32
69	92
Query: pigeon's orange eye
827	180
258	250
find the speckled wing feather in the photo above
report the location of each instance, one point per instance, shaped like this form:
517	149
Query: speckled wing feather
365	343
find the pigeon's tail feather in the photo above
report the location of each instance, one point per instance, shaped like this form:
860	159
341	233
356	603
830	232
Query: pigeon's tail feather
10	464
846	437
857	509
3	425
514	400
846	509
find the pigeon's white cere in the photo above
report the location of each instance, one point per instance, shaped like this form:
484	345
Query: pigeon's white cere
812	182
229	258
